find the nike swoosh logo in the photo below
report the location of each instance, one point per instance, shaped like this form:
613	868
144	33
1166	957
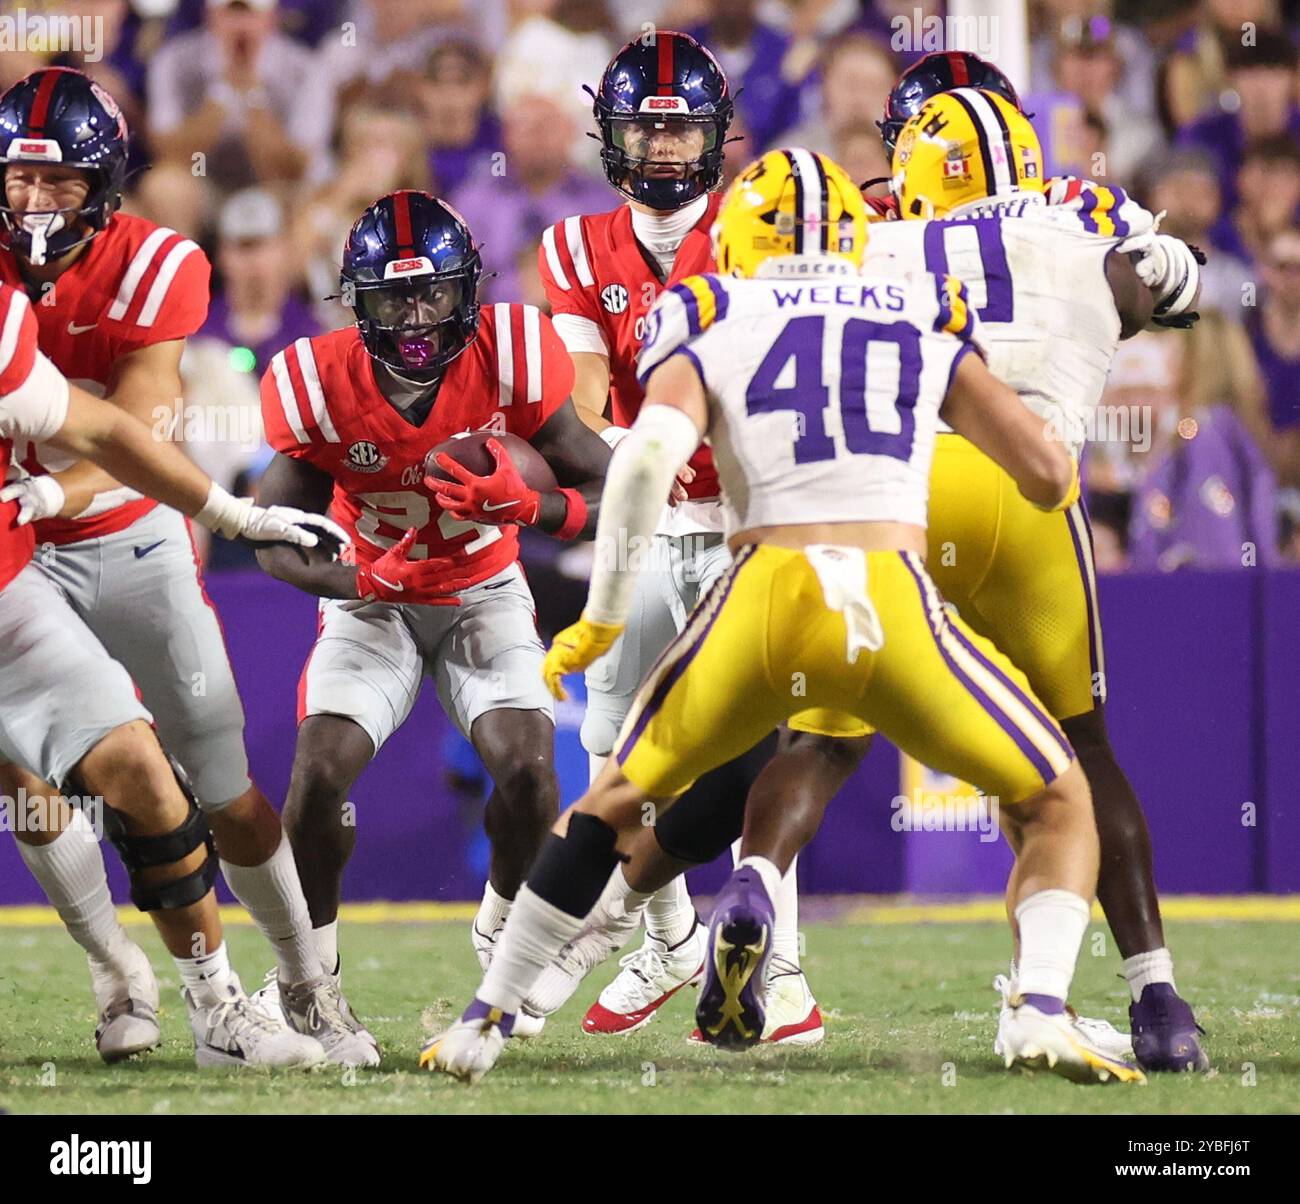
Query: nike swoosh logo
502	506
73	328
396	587
141	553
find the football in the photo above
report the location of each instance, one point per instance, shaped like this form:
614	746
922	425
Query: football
470	450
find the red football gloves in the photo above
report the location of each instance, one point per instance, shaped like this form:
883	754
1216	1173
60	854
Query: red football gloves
499	499
393	578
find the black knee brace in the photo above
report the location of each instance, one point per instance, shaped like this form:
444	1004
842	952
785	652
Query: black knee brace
144	852
571	871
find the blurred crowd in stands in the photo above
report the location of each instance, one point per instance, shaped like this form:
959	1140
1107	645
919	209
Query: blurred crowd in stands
264	128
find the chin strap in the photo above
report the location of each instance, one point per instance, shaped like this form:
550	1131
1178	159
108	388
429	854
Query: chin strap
39	227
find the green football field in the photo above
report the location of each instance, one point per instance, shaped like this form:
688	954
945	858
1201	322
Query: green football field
909	1012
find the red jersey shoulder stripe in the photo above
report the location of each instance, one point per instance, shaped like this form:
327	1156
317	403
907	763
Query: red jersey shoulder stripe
150	261
288	399
577	248
566	254
550	247
135	271
308	397
505	344
171	264
532	320
320	411
518	337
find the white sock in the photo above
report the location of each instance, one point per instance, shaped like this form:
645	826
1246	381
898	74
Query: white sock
595	763
492	912
210	977
766	870
326	940
533	938
618	899
70	870
1052	924
784	893
785	935
1143	969
670	914
272	895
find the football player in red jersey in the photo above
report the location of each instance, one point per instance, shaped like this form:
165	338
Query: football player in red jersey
433	584
71	712
663	106
114	298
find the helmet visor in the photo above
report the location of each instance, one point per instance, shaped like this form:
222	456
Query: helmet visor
411	306
668	145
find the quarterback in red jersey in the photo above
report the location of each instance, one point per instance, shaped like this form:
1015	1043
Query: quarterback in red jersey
114	298
431	583
69	711
664	107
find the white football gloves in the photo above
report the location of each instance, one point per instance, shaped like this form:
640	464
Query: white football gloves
37	498
238	518
1171	269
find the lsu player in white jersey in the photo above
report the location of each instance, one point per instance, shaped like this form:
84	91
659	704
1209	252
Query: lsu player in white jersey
820	392
1051	279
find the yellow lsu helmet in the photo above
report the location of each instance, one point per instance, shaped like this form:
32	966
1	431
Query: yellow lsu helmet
963	146
789	202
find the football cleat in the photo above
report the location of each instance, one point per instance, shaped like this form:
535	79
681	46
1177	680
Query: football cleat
1166	1036
471	1046
231	1032
731	1012
266	1000
1100	1034
604	935
793	1017
316	1009
1038	1037
126	993
648	979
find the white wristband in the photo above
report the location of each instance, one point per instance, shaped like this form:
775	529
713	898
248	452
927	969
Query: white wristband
222	512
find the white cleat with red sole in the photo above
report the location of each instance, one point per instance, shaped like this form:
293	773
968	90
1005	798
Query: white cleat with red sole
648	979
793	1017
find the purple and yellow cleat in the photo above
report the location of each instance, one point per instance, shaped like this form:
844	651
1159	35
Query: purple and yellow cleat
731	1009
1166	1036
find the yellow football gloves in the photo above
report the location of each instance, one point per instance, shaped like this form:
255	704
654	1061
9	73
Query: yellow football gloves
575	648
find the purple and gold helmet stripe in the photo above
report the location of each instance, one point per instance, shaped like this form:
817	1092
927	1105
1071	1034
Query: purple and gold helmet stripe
811	197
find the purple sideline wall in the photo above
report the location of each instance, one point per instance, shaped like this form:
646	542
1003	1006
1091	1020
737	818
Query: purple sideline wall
1204	712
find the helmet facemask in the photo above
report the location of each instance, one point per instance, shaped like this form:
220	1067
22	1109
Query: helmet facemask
417	326
664	179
